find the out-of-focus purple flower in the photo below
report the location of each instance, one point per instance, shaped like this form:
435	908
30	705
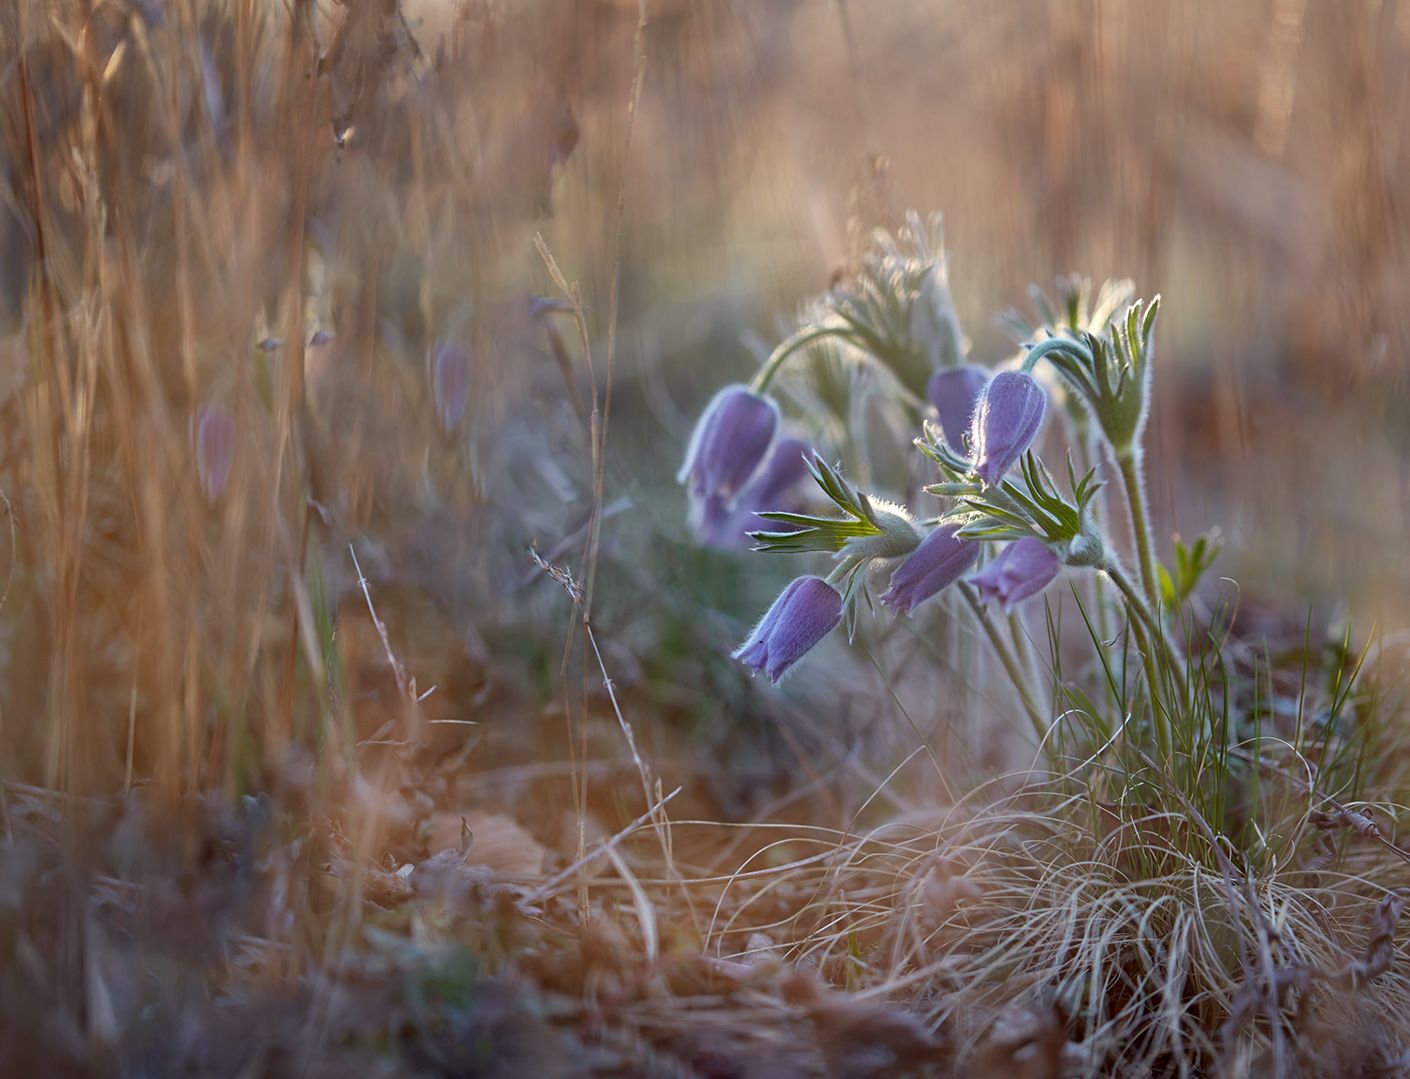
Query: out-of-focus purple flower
804	613
1022	569
538	306
215	449
954	392
937	563
450	383
775	487
1005	423
730	442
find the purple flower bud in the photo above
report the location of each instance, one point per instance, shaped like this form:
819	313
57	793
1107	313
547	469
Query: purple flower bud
215	449
729	443
785	468
954	393
1005	423
775	487
716	525
450	383
938	562
804	613
1022	569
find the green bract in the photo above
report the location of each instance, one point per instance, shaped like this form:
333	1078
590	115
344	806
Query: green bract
867	529
1109	372
1026	504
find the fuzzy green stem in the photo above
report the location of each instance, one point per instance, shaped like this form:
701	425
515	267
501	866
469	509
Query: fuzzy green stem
805	337
794	343
1006	657
839	572
1050	344
1129	460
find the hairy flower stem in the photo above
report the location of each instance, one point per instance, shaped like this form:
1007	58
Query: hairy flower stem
1130	461
1017	675
800	340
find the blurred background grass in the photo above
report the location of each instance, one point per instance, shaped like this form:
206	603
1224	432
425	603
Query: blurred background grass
1245	160
213	176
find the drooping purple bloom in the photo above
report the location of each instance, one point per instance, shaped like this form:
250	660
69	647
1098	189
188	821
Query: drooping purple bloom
1005	423
804	613
954	392
937	563
1022	569
450	383
774	487
730	442
215	449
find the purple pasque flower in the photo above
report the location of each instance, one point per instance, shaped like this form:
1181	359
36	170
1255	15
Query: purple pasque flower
450	383
939	561
774	487
804	613
954	392
1005	423
1022	569
215	449
731	440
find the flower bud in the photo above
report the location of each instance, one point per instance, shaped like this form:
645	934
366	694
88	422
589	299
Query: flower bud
450	383
774	487
215	449
954	392
938	562
730	441
1005	423
1022	569
934	326
804	613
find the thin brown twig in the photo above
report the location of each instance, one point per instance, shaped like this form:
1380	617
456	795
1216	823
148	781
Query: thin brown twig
1360	823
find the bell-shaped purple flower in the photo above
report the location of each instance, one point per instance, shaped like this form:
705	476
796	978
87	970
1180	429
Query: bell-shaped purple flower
938	562
804	613
1022	569
730	442
450	383
954	392
1005	423
774	487
215	449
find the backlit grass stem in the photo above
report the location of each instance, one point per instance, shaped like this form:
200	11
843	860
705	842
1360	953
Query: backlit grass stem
1018	675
